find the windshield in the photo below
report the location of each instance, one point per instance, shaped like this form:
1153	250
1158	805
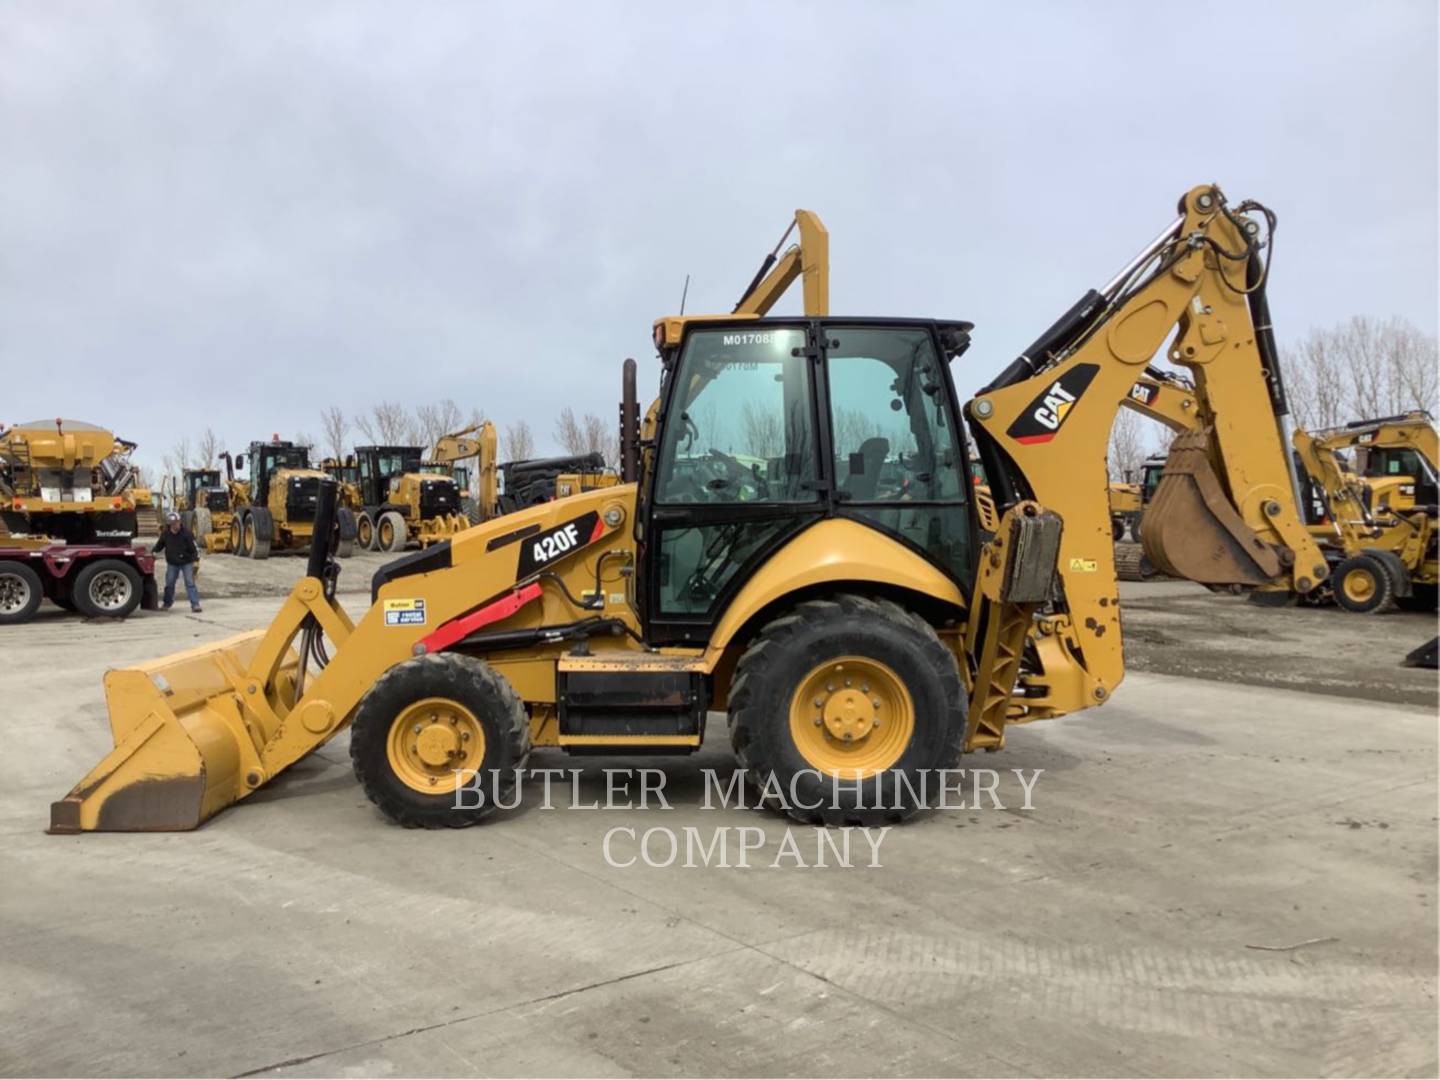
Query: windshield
739	426
288	457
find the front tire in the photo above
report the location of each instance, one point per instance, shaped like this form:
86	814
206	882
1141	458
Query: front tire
428	717
20	593
365	531
391	532
106	589
1362	584
837	699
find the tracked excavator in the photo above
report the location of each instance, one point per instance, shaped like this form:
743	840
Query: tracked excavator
794	543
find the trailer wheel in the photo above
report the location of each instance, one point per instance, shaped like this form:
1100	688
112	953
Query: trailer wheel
237	533
20	593
435	731
107	589
835	701
1362	584
365	531
392	534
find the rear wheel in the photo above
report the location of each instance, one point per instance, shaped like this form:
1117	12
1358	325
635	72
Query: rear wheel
436	731
259	531
106	589
20	592
365	531
834	702
392	535
238	533
204	524
343	539
1362	584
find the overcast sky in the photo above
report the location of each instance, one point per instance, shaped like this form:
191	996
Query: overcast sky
238	213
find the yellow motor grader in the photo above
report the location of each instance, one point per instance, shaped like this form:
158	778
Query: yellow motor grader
274	510
793	543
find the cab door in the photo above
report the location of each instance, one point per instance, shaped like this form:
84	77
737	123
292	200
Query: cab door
739	470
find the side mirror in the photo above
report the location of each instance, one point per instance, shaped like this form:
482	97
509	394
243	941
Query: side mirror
239	461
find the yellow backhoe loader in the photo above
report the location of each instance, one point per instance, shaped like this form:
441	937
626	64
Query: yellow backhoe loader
794	543
1382	547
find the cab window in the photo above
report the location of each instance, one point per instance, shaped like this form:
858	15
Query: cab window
739	426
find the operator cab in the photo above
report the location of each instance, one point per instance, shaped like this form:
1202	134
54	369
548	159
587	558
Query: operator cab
378	465
266	459
769	426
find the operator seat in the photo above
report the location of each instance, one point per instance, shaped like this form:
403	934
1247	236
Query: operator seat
863	482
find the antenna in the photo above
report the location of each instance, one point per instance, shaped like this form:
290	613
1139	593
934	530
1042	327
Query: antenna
684	294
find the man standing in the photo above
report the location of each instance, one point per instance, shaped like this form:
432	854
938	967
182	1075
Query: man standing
181	557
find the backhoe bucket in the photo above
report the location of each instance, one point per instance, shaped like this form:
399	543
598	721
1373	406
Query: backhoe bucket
1192	530
182	750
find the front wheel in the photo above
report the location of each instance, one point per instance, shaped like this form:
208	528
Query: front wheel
850	706
238	534
1362	584
20	593
438	739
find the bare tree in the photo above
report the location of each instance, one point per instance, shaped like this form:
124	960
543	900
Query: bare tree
336	427
1359	369
586	435
438	419
517	442
568	432
1132	440
388	424
179	458
206	448
304	438
764	435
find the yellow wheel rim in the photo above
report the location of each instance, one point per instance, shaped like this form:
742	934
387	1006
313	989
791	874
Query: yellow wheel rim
364	531
235	536
851	717
431	742
387	534
1359	585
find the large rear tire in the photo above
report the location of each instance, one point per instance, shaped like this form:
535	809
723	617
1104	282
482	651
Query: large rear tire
204	524
1362	584
391	532
106	589
365	531
239	533
343	542
259	533
847	686
20	593
429	730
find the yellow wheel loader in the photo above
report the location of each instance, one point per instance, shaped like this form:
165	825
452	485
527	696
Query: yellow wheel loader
1382	547
793	543
275	509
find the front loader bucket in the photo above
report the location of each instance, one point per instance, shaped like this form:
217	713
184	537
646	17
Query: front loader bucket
182	752
1192	530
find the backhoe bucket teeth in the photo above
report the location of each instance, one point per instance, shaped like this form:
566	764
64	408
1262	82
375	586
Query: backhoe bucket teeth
1192	530
183	751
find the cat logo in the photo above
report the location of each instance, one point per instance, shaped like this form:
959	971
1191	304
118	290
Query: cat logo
1144	393
1044	417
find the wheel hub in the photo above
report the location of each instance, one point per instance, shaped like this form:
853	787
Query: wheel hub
1358	585
852	716
14	594
435	745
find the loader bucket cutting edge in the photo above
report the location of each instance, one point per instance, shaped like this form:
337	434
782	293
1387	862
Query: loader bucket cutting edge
1192	530
182	746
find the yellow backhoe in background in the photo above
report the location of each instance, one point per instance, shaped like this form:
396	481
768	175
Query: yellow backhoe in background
794	542
1380	534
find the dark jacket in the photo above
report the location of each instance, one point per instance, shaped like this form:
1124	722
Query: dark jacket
179	547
